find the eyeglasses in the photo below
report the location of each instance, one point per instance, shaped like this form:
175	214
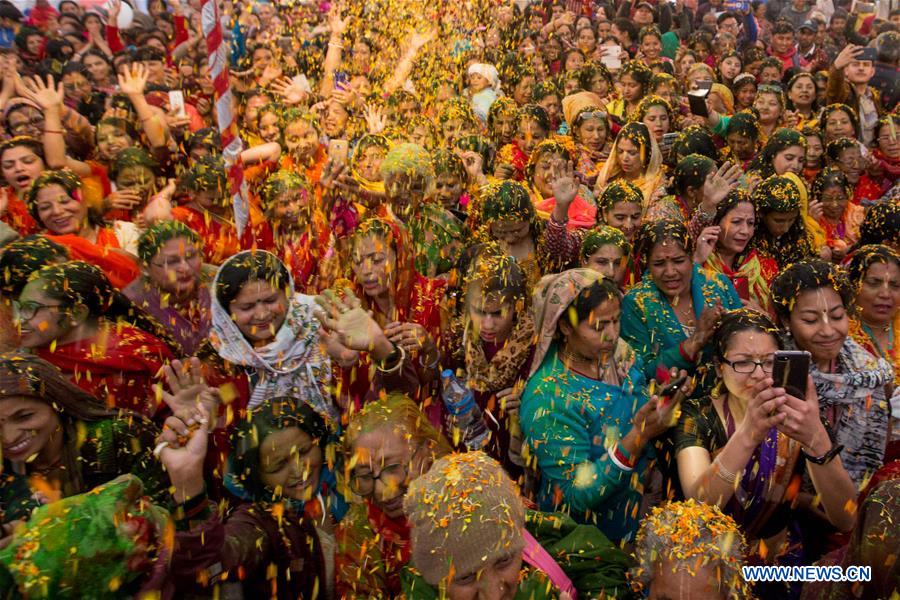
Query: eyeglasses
25	311
390	476
748	366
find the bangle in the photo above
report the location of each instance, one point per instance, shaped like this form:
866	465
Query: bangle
59	131
729	477
335	45
552	221
433	365
611	453
400	352
624	454
684	354
825	458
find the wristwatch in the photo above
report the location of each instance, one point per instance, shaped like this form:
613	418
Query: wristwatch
825	458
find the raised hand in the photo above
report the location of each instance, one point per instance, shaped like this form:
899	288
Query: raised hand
336	23
112	13
850	53
290	90
376	119
706	243
419	39
133	79
47	95
564	186
719	183
815	209
122	200
344	316
763	411
190	393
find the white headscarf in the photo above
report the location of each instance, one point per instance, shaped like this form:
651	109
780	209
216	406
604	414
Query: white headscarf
487	71
292	364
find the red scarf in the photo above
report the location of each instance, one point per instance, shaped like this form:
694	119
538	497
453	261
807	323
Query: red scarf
118	366
394	539
118	267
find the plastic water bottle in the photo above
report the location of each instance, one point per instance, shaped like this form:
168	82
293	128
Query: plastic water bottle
465	417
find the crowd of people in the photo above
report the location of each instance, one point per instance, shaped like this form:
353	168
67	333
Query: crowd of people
497	317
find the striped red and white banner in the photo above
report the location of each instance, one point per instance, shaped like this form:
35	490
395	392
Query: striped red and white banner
217	52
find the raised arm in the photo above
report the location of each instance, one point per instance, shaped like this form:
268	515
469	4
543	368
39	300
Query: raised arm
404	67
335	52
132	82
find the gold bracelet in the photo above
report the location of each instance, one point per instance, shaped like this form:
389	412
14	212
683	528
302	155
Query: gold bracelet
396	367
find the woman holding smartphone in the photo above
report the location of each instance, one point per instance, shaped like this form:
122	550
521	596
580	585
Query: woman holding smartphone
740	447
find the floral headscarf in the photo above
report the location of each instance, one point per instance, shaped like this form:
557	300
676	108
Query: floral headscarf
292	363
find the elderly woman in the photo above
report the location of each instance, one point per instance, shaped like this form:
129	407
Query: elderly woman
388	444
586	119
174	285
549	163
690	550
585	413
499	550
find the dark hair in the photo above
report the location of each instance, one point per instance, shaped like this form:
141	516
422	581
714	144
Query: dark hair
22	257
865	257
446	162
695	140
831	177
835	147
790	103
851	114
543	89
588	299
655	232
691	171
727	15
270	417
804	276
207	175
78	283
881	225
149	53
742	319
625	25
494	273
887	46
535	113
249	266
782	26
153	238
29	142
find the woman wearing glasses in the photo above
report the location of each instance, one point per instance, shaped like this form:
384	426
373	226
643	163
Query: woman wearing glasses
388	444
174	285
739	447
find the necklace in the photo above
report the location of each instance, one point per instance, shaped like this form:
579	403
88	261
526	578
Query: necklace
887	329
571	359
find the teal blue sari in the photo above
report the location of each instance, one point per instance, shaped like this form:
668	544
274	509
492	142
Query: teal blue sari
568	421
650	326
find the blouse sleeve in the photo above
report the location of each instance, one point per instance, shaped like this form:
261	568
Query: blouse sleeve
695	428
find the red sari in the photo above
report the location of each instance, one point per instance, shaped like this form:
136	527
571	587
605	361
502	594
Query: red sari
220	238
118	366
17	215
416	300
106	254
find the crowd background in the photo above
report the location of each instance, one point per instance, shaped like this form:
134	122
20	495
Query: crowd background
487	241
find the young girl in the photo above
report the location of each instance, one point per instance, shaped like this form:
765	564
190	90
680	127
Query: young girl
634	78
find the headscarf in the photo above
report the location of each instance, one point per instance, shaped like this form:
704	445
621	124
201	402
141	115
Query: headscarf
574	105
848	110
553	296
603	235
726	96
487	71
651	158
509	201
638	70
780	194
292	363
504	105
367	141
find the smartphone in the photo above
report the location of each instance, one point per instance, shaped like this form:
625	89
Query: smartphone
671	394
668	140
340	78
176	103
697	99
868	54
338	151
791	371
610	58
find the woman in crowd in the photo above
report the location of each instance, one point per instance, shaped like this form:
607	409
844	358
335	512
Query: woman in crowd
56	204
590	130
677	301
21	161
282	470
174	285
71	316
63	439
262	325
388	444
515	553
725	248
585	385
549	161
840	217
812	300
874	273
635	157
498	341
781	235
756	433
687	549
